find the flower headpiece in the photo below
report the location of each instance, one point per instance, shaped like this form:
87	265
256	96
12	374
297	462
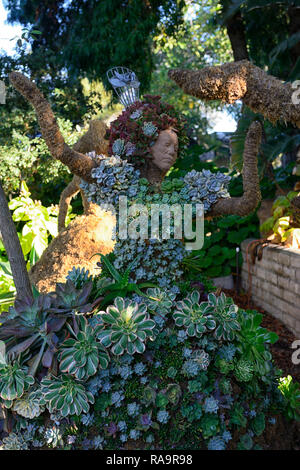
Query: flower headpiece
134	132
125	84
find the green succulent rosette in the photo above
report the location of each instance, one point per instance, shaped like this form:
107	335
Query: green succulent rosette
14	381
160	301
225	313
82	356
29	406
65	396
243	370
127	326
194	316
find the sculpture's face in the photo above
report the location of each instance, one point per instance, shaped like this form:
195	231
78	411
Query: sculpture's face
165	150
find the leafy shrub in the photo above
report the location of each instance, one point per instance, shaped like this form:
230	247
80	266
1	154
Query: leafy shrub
285	220
36	226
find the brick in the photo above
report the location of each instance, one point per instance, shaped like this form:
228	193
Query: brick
295	260
297	275
287	308
283	258
266	275
284	283
270	265
294	287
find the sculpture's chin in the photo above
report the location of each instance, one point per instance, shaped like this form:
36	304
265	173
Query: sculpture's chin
164	164
164	167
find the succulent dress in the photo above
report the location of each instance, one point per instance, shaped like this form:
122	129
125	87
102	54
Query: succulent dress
154	258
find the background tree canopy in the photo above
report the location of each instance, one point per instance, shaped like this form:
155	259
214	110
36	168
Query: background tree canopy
69	45
89	37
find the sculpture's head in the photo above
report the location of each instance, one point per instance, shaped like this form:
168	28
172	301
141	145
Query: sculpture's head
164	152
148	132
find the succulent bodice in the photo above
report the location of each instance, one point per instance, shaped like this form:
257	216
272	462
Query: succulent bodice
157	260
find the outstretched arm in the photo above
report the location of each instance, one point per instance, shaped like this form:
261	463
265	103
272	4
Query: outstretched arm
77	162
241	80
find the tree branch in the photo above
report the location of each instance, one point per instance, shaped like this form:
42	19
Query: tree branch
236	34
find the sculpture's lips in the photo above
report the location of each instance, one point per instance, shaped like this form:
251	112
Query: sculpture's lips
168	159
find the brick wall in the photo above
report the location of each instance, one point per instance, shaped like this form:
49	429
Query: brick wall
276	283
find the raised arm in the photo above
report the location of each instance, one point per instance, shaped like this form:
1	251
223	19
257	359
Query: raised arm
241	80
78	163
247	203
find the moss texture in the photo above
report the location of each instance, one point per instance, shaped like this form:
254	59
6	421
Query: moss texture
241	80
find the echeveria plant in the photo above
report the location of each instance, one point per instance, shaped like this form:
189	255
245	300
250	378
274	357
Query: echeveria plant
194	316
14	379
65	396
225	313
127	326
83	355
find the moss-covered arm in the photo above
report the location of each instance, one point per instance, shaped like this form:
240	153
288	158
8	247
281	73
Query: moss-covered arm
78	163
247	203
241	80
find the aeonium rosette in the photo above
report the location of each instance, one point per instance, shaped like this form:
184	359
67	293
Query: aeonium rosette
194	316
127	326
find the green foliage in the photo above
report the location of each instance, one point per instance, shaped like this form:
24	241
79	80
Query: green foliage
103	34
245	443
79	276
29	406
253	339
197	43
36	226
68	297
258	424
209	425
131	389
37	326
15	379
40	223
285	220
27	158
243	370
121	284
237	416
149	396
173	393
225	313
291	392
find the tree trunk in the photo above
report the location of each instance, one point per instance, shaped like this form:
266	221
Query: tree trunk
236	33
14	251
